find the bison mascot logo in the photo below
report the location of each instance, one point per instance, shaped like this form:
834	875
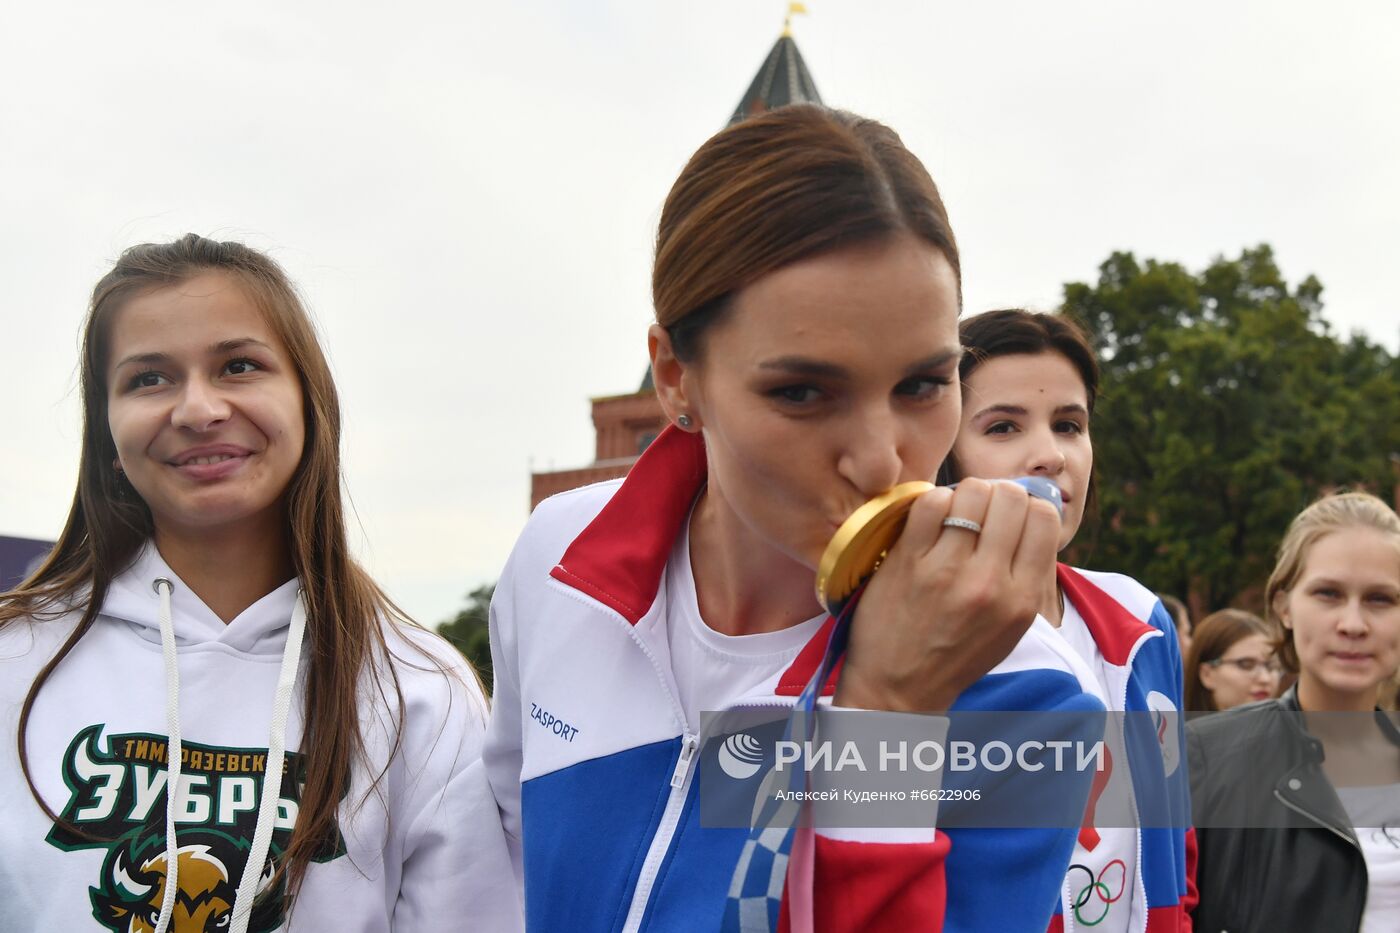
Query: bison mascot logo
117	802
133	888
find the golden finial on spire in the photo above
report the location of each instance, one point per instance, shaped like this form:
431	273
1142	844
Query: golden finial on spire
792	10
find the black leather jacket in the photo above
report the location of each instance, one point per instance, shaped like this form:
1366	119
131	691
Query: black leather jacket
1276	848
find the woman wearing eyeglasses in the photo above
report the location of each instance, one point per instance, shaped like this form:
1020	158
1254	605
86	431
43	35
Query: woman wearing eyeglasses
1231	662
1296	801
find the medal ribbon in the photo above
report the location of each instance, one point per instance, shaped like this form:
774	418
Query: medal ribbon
778	854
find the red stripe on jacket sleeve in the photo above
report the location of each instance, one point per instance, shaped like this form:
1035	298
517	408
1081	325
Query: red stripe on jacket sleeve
1167	919
877	887
1193	894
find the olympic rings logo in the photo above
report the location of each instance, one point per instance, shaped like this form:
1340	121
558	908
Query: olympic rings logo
1099	889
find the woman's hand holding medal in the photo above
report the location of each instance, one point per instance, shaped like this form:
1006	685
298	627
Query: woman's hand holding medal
949	602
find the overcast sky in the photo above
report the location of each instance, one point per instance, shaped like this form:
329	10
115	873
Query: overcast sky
467	193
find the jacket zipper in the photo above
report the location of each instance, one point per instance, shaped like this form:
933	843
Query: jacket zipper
680	775
1139	884
688	743
665	833
1320	822
1327	826
675	801
681	778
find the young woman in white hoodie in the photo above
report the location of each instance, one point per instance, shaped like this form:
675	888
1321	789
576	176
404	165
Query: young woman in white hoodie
201	625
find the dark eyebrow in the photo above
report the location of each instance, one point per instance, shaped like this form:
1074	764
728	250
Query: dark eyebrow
1000	410
1073	409
152	358
937	361
237	343
1386	588
806	366
223	346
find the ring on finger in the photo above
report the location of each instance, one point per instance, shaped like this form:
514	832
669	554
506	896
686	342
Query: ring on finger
967	524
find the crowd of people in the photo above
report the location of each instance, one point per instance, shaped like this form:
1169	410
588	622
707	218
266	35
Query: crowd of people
222	722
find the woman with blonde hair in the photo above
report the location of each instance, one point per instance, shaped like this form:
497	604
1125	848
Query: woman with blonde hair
1231	662
1296	800
221	721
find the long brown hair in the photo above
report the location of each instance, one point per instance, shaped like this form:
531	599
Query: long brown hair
778	188
1210	639
108	523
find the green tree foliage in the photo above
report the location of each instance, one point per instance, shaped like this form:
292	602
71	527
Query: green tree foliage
468	631
1227	405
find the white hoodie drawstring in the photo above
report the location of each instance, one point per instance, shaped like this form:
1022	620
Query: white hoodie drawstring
272	775
173	754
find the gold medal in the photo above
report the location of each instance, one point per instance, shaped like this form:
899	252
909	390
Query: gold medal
861	543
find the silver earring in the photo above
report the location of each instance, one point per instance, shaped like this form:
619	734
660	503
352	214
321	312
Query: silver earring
684	421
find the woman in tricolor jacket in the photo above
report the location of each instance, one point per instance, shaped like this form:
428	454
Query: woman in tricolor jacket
1029	383
807	289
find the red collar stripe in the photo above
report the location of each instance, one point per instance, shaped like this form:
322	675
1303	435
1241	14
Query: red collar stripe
1115	629
795	678
620	558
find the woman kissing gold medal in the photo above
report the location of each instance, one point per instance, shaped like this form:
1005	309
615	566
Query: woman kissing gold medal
863	540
